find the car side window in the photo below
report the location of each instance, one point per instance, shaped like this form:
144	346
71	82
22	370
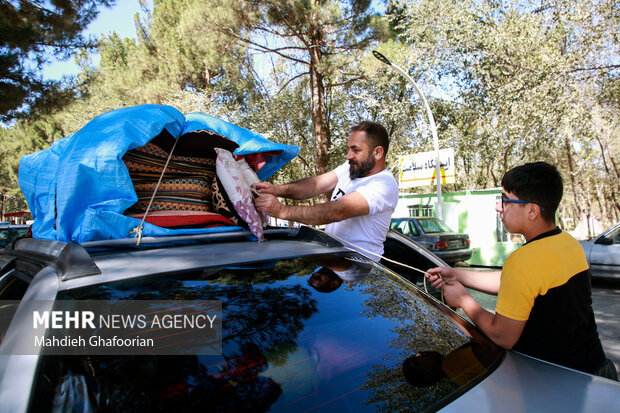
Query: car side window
413	231
610	238
428	226
400	226
407	228
404	228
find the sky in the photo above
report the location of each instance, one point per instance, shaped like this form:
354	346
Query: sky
117	19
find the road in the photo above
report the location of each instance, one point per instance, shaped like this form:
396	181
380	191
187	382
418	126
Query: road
606	305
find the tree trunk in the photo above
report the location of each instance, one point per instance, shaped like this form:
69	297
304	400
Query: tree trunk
319	108
571	174
2	205
614	185
600	198
613	163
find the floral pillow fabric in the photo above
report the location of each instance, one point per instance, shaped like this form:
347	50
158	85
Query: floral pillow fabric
238	191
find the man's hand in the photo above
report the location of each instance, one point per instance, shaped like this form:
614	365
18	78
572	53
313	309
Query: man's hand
303	189
266	188
350	205
268	204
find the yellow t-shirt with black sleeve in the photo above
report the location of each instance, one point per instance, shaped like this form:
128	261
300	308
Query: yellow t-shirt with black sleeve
546	282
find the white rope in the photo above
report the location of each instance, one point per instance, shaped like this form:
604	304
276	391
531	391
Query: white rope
138	230
362	250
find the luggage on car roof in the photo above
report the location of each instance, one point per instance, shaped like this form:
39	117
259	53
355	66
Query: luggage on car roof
80	189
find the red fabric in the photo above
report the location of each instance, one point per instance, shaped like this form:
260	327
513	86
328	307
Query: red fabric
172	219
258	160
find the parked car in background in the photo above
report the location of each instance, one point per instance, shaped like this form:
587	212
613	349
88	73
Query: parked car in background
435	235
10	232
286	345
603	253
399	249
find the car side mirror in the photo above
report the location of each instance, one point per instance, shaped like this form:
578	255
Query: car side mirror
604	241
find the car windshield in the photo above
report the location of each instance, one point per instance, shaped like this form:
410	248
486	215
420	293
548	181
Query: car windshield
376	342
433	225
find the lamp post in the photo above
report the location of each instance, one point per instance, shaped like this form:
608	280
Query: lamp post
431	121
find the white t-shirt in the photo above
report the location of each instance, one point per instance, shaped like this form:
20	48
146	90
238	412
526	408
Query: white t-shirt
366	231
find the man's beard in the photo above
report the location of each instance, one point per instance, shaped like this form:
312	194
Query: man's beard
361	170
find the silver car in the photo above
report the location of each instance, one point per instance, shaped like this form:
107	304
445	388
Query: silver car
603	253
309	325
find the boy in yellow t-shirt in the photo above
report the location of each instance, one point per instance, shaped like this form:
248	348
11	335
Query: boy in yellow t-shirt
544	304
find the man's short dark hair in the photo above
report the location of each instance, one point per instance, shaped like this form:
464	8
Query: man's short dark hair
375	132
332	284
537	182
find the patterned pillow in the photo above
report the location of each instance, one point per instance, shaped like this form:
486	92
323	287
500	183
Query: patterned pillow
184	187
190	193
222	205
248	173
237	190
186	184
251	178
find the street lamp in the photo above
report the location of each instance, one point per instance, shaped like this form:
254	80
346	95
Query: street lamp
431	120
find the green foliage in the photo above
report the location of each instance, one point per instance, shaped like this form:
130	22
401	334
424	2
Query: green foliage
528	82
20	140
311	41
508	82
29	32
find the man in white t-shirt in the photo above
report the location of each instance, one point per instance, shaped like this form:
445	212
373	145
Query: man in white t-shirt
364	193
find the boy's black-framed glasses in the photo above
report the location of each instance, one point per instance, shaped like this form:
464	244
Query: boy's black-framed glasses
518	201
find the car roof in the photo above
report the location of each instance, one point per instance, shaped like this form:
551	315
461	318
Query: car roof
98	262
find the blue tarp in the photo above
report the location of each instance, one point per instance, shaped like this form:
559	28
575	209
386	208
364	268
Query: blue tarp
78	189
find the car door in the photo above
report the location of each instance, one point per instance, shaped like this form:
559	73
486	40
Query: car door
605	255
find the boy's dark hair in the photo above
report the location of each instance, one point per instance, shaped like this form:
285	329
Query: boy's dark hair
375	132
537	182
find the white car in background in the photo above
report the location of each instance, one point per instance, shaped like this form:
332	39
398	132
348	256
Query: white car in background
603	253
